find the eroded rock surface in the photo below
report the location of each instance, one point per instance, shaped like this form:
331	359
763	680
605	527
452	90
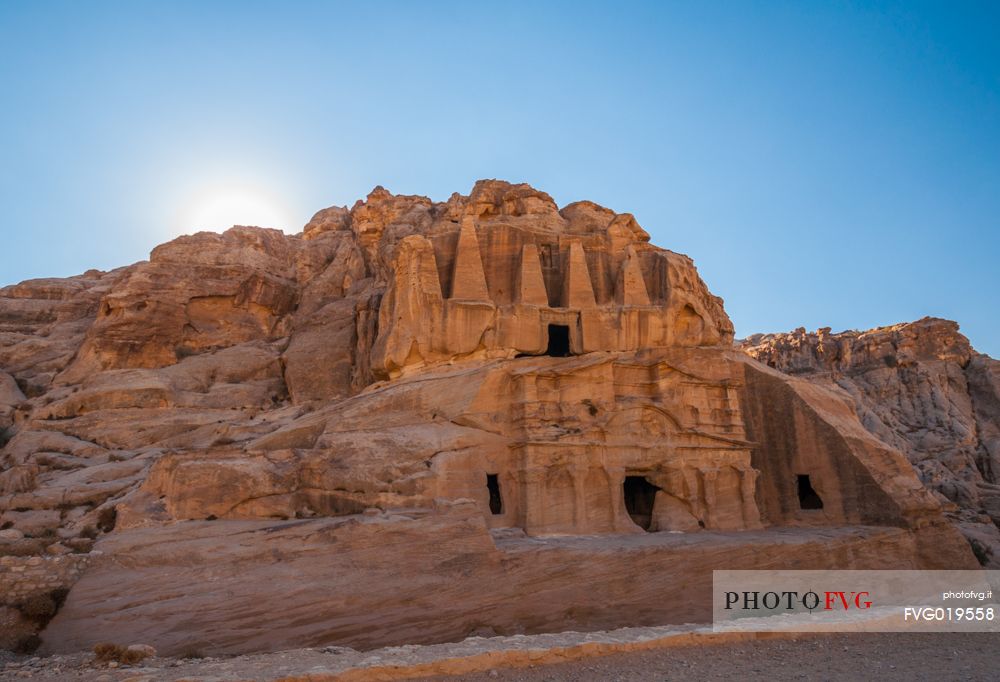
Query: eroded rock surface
445	395
921	388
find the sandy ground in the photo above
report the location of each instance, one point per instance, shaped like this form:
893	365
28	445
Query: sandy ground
882	657
873	656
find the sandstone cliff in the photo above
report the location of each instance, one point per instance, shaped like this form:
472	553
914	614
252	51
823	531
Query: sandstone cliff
921	388
257	440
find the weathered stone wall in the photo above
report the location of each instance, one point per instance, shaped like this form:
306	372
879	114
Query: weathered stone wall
24	577
32	588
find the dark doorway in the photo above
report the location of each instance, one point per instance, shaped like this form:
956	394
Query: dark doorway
639	497
558	341
808	498
496	502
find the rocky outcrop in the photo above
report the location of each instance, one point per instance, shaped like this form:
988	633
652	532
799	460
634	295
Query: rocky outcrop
248	399
381	578
10	397
42	324
921	388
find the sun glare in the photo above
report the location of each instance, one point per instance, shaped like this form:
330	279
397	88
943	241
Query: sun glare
219	209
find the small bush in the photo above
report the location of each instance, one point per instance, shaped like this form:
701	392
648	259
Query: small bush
28	645
106	519
107	652
38	607
88	532
80	545
59	596
983	554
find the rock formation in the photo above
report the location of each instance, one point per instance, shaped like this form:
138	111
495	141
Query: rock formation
414	421
921	388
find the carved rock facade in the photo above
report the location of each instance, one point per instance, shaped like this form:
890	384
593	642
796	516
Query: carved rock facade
493	384
921	388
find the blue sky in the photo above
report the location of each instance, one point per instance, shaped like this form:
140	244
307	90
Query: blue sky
825	164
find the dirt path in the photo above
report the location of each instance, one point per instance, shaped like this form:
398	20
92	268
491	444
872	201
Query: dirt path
873	656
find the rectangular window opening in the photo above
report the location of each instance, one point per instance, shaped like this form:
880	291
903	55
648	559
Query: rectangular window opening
496	501
558	341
